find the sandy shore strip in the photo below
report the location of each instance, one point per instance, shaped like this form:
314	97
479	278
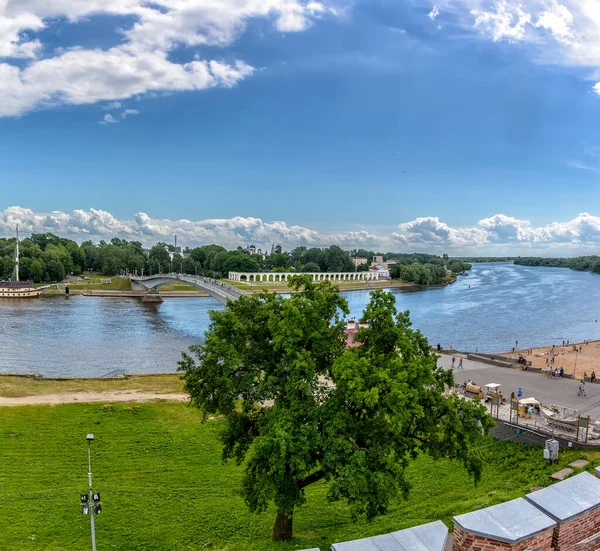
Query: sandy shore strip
586	356
90	397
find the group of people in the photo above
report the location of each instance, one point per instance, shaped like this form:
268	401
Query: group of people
460	363
558	372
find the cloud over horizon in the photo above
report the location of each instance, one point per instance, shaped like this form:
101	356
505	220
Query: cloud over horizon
496	235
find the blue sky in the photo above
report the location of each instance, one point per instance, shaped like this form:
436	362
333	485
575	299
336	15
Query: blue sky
371	123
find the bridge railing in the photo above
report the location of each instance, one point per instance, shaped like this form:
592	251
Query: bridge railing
222	289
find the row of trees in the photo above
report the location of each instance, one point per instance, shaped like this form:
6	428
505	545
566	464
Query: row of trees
580	263
301	259
49	258
419	268
471	259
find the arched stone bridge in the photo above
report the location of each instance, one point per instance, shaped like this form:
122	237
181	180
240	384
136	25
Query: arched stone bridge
316	276
221	291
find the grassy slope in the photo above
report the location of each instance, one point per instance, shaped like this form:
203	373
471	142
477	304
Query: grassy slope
116	284
164	486
13	387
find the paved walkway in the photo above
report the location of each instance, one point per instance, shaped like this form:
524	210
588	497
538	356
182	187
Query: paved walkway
562	392
90	397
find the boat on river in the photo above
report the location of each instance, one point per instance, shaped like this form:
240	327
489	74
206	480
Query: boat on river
14	288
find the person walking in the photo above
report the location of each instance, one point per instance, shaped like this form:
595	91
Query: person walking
453	360
520	393
460	365
593	376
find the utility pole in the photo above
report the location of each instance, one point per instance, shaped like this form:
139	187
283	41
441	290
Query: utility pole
90	502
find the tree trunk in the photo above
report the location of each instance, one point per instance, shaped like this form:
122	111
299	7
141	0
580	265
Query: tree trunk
282	531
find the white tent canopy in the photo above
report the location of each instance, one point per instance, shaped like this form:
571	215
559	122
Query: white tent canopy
529	402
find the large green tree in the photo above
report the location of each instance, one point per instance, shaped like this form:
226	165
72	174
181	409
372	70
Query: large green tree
301	407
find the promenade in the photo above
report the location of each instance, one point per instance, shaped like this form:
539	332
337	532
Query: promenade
561	392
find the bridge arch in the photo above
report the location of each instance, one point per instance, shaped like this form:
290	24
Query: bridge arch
220	291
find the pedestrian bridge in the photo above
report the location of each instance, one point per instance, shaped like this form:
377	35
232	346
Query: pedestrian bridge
316	276
216	289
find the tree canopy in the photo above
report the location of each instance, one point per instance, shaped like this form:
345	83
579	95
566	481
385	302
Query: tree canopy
302	407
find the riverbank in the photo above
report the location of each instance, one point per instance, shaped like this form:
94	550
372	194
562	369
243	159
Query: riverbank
64	390
125	294
570	358
283	288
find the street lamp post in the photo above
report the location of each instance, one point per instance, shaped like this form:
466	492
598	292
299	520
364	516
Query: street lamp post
90	502
575	366
516	348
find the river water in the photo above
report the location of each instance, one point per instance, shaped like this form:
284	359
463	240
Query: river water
490	309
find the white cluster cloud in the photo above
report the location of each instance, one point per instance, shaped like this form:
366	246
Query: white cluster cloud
435	11
142	62
563	32
503	232
499	234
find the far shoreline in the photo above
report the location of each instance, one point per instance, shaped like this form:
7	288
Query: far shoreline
253	289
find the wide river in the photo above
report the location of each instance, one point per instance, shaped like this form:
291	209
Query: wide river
490	309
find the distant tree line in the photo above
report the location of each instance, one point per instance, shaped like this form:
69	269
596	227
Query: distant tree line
419	268
579	263
49	258
486	258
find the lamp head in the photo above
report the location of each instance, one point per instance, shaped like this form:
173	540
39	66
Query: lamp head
89	437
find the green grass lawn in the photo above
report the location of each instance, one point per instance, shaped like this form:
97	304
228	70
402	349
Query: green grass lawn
164	486
116	284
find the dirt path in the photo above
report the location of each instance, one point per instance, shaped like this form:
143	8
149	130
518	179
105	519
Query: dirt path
85	397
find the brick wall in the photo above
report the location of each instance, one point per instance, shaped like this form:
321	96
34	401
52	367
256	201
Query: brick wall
568	534
464	541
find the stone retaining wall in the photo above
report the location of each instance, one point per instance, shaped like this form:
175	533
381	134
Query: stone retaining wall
578	534
463	541
507	431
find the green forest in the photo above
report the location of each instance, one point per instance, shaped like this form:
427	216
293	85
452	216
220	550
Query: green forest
419	268
579	263
48	258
